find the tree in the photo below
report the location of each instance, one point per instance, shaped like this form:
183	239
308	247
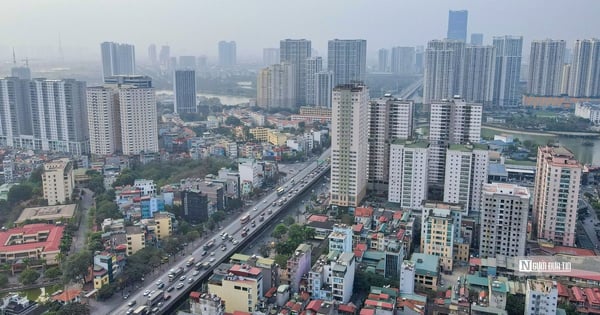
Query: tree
279	230
106	291
515	304
3	280
233	121
74	309
219	216
363	280
77	265
289	220
95	242
52	273
28	276
569	308
96	182
19	193
192	235
281	260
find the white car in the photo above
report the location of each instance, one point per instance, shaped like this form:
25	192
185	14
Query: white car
255	209
196	273
235	242
212	259
146	292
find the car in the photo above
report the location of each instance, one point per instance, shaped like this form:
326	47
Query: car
155	310
222	233
212	259
152	292
160	304
255	209
261	219
159	282
204	253
126	296
146	292
129	311
180	285
170	289
182	278
235	242
270	211
265	201
160	286
196	272
190	280
262	214
132	303
167	297
212	254
223	248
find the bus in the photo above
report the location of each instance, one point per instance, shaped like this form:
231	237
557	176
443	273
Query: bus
245	219
190	261
142	310
155	298
209	244
174	273
280	191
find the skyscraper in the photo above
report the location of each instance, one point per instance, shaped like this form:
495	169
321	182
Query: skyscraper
466	170
117	59
408	173
504	212
152	54
122	116
227	54
546	61
478	74
314	65
347	59
477	39
276	87
383	60
584	80
390	118
187	62
295	52
443	76
457	25
323	88
270	56
42	114
451	122
556	195
403	60
349	145
507	70
184	87
164	56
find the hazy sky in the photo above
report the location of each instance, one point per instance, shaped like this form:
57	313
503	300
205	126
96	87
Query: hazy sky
195	26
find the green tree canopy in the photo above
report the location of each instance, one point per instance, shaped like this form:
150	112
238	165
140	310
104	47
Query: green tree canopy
19	193
3	280
77	265
28	276
53	273
74	309
279	231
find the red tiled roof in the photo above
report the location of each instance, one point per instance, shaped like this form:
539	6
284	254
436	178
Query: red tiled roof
363	212
317	218
577	294
314	305
52	243
367	311
379	304
289	304
67	296
195	295
397	215
305	295
592	296
570	251
448	294
562	290
270	293
400	234
383	219
297	307
241	313
244	270
475	261
347	308
357	227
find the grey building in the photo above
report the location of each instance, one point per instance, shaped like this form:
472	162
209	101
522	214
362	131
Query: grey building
195	206
584	78
383	60
403	60
546	62
184	87
187	62
457	25
270	56
443	77
507	70
117	59
227	53
323	88
478	74
476	39
295	52
347	59
314	65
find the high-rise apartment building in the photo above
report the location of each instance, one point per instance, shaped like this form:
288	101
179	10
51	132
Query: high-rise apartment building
21	72
477	39
276	87
349	148
58	181
546	61
227	54
383	60
556	195
347	59
584	79
440	228
541	297
504	210
507	70
314	65
122	116
408	173
323	88
403	60
40	114
164	56
457	25
295	52
451	122
443	77
184	87
270	56
478	72
152	54
390	118
466	171
117	59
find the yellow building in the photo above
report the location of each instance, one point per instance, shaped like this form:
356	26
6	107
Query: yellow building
426	270
260	133
100	277
58	181
164	228
441	227
315	111
240	288
277	138
136	239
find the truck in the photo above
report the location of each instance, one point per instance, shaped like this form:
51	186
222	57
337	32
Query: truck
142	310
190	261
209	244
174	273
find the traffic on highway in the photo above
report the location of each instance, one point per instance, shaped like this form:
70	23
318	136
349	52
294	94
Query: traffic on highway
156	297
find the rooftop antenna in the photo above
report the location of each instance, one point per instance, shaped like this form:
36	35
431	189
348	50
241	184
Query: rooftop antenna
14	57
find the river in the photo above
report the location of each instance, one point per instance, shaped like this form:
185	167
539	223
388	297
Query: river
585	153
225	99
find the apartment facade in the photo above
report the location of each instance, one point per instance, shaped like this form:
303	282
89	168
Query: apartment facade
136	239
556	195
546	61
541	297
440	229
240	288
466	171
332	277
408	173
58	181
